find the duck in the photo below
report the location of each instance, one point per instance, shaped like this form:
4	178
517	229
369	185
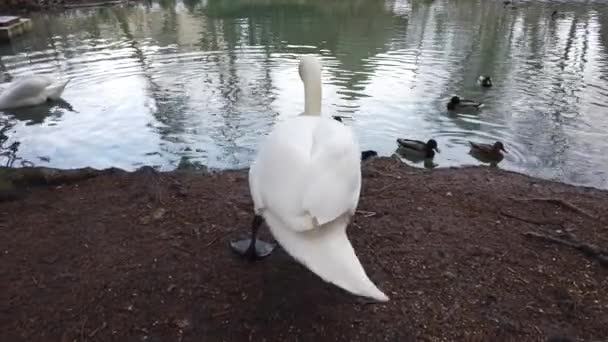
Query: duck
485	81
458	103
418	148
365	155
31	91
556	14
340	117
508	3
488	152
305	183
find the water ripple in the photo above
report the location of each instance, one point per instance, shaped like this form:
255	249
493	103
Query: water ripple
152	85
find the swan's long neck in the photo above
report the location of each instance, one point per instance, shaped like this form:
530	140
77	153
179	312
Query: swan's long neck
312	93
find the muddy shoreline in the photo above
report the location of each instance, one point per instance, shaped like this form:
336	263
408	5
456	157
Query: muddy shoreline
465	254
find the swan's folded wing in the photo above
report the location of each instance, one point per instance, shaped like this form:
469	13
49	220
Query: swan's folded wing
334	173
279	174
276	178
26	87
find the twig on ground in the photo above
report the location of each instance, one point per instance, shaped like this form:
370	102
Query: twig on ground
450	313
557	201
383	189
388	175
527	220
366	213
214	240
516	275
383	174
388	189
221	313
98	329
180	248
86	318
589	250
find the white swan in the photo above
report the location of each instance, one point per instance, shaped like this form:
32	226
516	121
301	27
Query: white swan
31	91
305	183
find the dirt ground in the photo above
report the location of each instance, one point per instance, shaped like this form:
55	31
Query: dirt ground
144	256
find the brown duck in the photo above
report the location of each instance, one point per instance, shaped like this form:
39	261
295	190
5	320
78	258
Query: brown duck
490	152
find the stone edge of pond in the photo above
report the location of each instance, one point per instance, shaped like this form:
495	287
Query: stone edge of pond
31	6
13	181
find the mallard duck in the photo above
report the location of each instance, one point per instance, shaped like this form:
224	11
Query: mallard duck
31	91
484	81
458	103
418	148
488	152
305	183
509	3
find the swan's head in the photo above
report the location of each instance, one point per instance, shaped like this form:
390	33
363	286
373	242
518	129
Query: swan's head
309	69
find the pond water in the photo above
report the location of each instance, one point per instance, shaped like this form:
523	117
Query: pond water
204	80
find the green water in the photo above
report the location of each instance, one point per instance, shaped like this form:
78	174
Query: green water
160	81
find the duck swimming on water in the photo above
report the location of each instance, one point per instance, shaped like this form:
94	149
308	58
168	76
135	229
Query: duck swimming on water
458	103
484	81
419	148
305	184
488	152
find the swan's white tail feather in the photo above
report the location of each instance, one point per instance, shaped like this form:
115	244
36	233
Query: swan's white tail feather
55	90
328	253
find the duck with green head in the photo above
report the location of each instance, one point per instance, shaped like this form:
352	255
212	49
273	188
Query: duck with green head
458	103
488	152
418	148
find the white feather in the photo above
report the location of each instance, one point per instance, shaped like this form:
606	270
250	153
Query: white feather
305	182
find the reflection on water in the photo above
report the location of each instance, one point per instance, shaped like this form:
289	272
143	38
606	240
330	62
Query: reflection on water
204	80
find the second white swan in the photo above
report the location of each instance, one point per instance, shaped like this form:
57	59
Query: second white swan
31	91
